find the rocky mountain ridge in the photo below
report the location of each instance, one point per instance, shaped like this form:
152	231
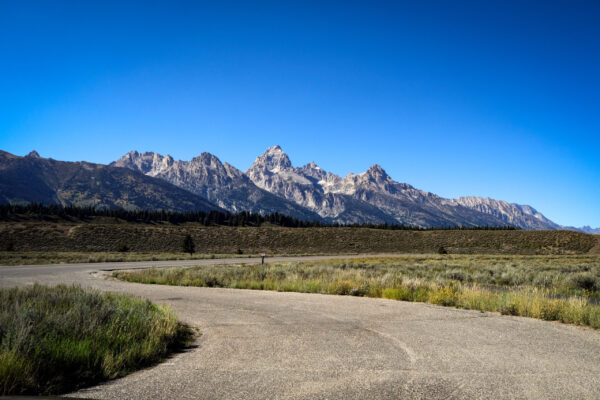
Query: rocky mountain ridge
372	196
314	188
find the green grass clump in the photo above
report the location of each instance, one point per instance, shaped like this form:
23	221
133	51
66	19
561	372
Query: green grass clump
59	339
554	288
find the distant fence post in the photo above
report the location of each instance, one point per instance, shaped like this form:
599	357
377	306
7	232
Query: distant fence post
262	256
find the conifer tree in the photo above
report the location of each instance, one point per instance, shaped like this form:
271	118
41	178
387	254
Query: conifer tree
188	244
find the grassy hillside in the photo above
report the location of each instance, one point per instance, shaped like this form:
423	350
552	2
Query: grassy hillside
107	235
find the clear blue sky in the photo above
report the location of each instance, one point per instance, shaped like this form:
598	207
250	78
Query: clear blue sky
488	98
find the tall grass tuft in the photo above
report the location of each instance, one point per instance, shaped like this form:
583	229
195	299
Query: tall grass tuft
58	339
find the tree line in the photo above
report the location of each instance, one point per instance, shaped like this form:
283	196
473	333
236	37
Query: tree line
10	212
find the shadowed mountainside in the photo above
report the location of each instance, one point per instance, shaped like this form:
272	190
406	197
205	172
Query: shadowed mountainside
44	180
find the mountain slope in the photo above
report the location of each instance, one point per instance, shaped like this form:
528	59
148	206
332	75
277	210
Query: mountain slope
221	183
35	179
522	216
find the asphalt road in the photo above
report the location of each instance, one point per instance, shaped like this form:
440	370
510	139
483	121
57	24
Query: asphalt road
269	345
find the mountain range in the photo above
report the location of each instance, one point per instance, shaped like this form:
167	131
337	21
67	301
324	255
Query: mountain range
271	184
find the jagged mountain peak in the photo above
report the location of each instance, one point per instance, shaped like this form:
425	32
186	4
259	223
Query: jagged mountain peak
311	171
376	167
33	154
143	162
311	168
131	155
273	160
136	155
376	171
274	149
207	159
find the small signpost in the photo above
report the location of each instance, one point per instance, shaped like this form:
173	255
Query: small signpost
262	256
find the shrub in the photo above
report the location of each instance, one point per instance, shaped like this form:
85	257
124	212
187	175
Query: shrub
544	280
123	248
360	290
188	244
511	308
446	296
585	281
456	275
550	310
341	287
395	293
511	278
